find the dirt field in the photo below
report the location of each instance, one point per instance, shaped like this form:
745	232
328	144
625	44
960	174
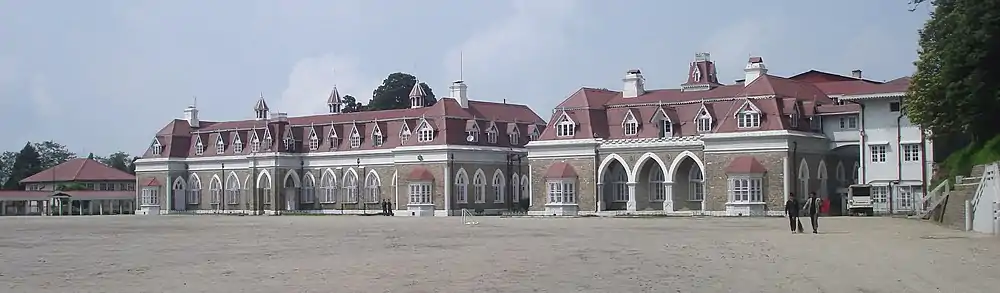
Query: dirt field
383	254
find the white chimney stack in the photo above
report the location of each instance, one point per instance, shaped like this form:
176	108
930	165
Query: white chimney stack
191	115
755	68
460	92
633	84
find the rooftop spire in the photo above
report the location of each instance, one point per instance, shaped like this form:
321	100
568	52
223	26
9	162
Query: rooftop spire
417	95
334	101
261	108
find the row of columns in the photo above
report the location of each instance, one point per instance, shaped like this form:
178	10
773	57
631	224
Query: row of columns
60	206
633	204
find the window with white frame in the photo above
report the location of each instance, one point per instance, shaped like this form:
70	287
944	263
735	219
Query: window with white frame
377	138
657	189
355	139
911	152
308	189
565	127
473	133
351	188
420	193
905	201
462	188
156	148
289	143
232	189
849	122
704	121
696	184
534	135
666	128
237	145
619	183
425	133
178	188
220	145
199	148
215	187
562	191
748	119
479	183
513	137
746	189
498	188
878	152
492	134
194	190
267	142
151	196
264	189
313	141
404	133
373	188
254	145
328	182
630	126
880	194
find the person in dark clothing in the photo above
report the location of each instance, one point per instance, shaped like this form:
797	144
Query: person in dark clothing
813	204
385	208
388	207
792	210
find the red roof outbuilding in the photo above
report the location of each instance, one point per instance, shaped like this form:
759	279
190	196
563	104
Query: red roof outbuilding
79	170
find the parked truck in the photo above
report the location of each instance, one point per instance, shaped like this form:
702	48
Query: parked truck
859	200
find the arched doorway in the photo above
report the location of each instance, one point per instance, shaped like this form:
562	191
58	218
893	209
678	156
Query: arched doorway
651	188
614	180
688	185
290	192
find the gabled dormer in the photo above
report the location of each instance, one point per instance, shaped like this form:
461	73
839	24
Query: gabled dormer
404	132
333	136
156	148
237	142
492	133
425	131
268	141
534	131
288	140
704	120
377	138
472	130
630	124
513	133
220	144
664	124
795	116
565	126
747	115
199	145
355	137
254	141
313	138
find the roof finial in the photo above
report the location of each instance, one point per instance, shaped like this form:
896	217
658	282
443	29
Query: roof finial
461	65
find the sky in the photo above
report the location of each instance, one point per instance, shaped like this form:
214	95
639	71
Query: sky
104	75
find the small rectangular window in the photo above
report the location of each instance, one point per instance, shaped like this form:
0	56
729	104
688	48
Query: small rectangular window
894	107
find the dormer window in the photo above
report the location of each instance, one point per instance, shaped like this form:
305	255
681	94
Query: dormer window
355	138
565	127
748	116
377	137
666	128
816	123
425	133
514	136
704	120
237	144
199	147
289	144
630	126
267	143
313	140
156	148
492	134
404	133
220	145
795	119
472	131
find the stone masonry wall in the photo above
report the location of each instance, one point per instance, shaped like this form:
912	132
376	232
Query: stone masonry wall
586	184
717	181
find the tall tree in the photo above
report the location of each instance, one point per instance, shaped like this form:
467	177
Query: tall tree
52	153
394	93
131	165
119	160
27	163
6	165
954	89
350	104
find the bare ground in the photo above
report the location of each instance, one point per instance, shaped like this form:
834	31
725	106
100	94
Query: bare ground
385	254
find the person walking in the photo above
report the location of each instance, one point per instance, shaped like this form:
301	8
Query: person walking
813	206
792	211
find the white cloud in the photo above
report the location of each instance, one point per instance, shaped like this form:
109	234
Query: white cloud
532	31
312	79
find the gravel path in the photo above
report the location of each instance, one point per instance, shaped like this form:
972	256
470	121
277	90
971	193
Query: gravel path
384	254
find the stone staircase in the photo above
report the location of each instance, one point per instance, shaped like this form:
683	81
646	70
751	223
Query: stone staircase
950	209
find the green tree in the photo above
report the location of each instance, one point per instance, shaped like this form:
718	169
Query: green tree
119	160
131	165
6	165
394	93
27	163
52	153
954	90
91	157
350	104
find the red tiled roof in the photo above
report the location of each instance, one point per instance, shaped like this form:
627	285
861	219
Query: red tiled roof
76	194
560	170
79	170
745	165
447	117
420	174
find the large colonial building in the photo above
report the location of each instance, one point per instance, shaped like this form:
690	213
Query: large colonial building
75	187
736	149
344	162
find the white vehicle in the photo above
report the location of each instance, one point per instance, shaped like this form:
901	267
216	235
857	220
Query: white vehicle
859	200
